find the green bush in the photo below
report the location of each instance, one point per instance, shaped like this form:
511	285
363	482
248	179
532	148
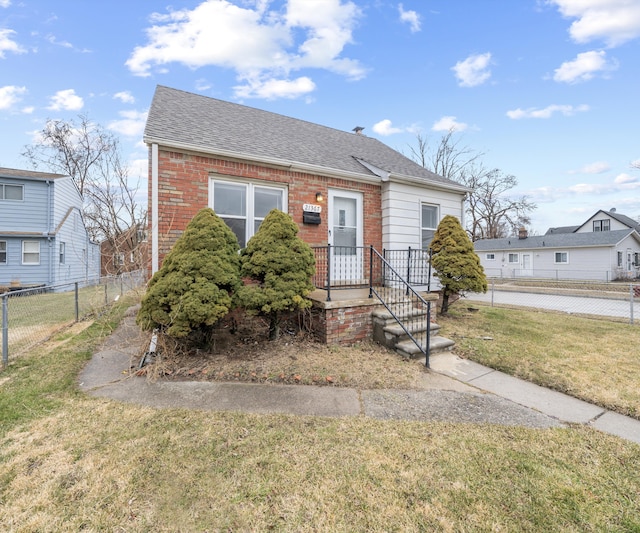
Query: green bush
197	282
455	262
279	266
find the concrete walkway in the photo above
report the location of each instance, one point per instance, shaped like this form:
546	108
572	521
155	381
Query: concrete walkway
454	390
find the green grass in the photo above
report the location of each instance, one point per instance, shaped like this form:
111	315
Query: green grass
595	360
69	462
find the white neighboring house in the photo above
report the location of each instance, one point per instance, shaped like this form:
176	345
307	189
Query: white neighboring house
605	247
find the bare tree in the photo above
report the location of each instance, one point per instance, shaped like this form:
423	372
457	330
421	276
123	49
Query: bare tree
448	159
92	157
491	212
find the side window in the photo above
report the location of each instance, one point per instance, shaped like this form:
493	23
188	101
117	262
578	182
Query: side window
62	253
514	258
11	192
561	257
490	257
30	252
3	252
428	223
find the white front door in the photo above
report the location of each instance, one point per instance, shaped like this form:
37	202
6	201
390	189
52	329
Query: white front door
526	265
345	236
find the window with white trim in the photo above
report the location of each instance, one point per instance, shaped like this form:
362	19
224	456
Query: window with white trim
11	192
561	258
429	218
620	259
490	257
3	252
601	225
30	252
62	253
514	258
243	206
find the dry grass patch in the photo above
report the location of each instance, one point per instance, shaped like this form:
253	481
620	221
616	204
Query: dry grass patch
591	359
103	466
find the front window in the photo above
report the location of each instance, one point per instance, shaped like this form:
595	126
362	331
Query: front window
561	257
490	257
601	225
3	252
429	224
514	258
30	252
243	206
11	192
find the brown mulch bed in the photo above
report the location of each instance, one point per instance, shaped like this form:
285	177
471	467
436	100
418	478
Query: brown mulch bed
246	355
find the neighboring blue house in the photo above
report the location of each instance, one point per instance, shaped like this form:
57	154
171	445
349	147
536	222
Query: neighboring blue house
43	239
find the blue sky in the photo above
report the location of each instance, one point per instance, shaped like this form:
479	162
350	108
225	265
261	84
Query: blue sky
548	90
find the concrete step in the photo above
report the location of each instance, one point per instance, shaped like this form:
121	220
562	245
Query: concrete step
414	326
408	348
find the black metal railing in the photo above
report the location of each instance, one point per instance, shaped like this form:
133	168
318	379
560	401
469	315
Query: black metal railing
413	263
410	310
341	267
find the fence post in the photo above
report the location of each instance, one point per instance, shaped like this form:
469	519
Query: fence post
5	330
493	284
77	302
631	295
106	293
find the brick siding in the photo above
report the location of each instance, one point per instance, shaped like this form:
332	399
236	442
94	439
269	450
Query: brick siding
183	189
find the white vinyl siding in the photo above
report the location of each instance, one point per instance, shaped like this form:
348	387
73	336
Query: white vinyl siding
402	212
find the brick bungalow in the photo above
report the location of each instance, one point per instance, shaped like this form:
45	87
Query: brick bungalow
341	188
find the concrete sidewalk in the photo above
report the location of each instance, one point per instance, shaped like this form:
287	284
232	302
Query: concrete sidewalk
454	390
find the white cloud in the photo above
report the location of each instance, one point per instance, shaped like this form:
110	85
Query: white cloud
448	123
547	112
385	128
9	45
5	3
474	70
584	67
125	97
131	124
271	89
10	95
597	167
626	180
410	17
612	21
67	100
261	46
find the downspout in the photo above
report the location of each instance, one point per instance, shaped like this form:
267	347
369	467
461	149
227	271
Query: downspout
154	208
49	230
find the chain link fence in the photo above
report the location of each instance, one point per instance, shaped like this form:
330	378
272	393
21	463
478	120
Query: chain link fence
615	301
31	316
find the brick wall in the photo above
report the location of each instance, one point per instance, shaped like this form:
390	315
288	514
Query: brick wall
183	183
342	324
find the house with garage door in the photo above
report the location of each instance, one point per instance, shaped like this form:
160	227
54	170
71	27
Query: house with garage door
606	247
346	191
43	238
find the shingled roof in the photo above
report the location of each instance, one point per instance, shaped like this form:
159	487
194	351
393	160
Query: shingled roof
558	240
28	174
194	122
